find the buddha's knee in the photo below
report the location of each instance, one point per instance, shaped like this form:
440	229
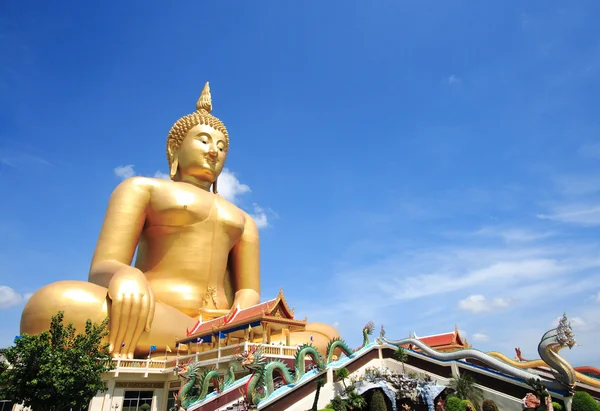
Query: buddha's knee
78	300
325	330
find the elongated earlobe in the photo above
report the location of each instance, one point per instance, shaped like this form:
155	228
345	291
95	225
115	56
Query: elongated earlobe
174	166
214	187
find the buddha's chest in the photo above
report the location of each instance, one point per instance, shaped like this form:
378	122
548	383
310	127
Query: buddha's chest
195	208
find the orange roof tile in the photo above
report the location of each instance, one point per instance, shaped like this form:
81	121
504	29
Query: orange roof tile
242	315
438	340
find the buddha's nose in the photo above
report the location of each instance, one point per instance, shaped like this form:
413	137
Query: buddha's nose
213	152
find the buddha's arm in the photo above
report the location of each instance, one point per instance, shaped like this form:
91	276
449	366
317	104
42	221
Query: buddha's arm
121	230
132	301
245	266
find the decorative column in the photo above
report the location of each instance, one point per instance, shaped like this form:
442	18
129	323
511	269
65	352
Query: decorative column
264	332
268	333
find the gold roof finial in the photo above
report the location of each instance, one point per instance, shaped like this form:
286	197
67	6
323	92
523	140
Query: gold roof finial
204	103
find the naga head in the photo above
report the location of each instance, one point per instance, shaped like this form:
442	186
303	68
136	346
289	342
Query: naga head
564	333
368	329
252	359
188	370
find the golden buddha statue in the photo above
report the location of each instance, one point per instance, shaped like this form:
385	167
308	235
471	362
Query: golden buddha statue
197	254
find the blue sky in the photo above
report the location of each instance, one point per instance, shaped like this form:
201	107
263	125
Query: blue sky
418	164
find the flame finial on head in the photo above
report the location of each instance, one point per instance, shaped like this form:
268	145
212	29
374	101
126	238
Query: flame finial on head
204	103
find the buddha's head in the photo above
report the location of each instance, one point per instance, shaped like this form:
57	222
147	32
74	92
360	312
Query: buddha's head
197	144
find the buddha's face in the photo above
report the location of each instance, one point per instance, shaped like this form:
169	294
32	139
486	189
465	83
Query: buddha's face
202	153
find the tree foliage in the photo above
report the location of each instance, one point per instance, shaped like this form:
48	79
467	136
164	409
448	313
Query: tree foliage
489	405
342	374
377	402
453	404
402	356
465	389
58	369
582	401
321	381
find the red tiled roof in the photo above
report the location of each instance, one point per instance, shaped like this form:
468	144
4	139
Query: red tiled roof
241	316
438	340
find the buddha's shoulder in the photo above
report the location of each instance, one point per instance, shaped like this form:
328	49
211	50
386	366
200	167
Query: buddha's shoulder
143	184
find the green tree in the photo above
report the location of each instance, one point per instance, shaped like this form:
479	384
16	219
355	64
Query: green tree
489	405
321	380
467	405
338	404
145	407
465	389
402	356
453	404
582	401
356	401
342	374
377	402
58	369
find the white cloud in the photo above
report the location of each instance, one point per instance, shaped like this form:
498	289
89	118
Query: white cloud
579	214
513	235
453	79
9	297
480	337
124	172
501	272
230	187
162	176
477	303
259	216
577	185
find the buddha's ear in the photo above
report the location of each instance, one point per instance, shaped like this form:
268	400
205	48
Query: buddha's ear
174	166
172	149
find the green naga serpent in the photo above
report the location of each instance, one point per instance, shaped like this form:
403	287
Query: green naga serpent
339	344
262	381
198	382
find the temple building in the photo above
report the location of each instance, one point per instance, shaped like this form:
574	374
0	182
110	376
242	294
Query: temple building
446	342
268	323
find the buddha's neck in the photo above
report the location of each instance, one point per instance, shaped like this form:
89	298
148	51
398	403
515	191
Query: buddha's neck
204	185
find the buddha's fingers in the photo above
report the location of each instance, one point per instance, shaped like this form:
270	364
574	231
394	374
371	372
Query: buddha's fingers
122	310
138	326
115	322
151	307
130	338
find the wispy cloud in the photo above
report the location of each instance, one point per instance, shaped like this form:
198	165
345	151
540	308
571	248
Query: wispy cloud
10	298
513	235
580	214
124	172
230	187
480	337
453	79
20	159
477	303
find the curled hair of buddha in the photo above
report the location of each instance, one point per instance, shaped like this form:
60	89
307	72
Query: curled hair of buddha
202	115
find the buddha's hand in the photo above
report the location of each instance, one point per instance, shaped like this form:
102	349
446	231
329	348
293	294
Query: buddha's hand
131	310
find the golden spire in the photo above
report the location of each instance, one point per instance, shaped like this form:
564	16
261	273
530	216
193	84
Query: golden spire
204	103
